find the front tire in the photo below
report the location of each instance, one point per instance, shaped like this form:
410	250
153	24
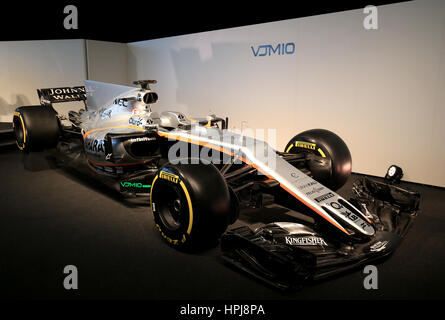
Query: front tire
330	162
191	204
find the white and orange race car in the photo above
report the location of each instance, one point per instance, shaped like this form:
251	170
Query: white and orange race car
198	175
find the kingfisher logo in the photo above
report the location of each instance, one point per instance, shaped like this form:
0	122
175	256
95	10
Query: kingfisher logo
305	241
279	49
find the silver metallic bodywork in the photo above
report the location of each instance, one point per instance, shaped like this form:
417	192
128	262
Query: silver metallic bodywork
120	109
301	186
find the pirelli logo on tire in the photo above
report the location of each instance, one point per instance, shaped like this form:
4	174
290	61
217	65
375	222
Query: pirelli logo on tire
170	240
305	145
168	176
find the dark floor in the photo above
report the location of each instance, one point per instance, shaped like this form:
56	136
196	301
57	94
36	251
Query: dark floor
51	218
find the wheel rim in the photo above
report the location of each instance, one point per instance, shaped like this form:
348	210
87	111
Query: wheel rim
171	211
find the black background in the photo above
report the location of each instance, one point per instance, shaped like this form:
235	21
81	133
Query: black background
128	21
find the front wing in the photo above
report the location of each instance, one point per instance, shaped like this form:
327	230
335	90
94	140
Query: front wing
287	255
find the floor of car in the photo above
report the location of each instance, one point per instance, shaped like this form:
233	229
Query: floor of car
52	217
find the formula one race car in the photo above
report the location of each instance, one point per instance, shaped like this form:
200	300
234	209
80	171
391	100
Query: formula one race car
199	174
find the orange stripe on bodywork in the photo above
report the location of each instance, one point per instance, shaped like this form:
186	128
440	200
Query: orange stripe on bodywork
203	144
296	196
256	167
308	205
113	127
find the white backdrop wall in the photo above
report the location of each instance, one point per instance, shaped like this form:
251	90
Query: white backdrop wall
107	61
381	90
29	65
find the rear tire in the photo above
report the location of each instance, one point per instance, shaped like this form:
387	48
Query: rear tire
191	204
36	128
332	163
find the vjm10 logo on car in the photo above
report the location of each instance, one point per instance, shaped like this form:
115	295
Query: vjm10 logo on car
273	49
126	184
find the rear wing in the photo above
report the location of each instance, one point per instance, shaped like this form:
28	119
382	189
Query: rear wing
65	94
